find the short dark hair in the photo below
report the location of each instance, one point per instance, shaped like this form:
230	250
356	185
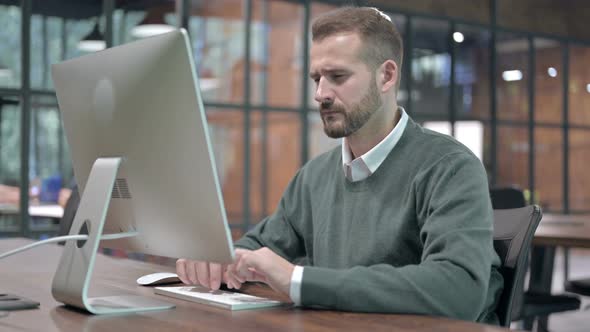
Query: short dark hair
380	37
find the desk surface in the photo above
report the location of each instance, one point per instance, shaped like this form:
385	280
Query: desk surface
30	273
563	230
41	210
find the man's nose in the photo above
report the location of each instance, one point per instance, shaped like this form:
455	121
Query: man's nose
323	92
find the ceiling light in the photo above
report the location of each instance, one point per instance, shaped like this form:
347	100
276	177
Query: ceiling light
512	75
552	72
458	37
152	24
588	87
93	42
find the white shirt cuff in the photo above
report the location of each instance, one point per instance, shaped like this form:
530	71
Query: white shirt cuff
295	288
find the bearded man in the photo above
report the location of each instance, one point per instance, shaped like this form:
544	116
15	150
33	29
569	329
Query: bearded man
396	220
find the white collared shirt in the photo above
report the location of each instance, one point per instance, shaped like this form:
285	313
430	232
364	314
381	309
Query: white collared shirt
356	170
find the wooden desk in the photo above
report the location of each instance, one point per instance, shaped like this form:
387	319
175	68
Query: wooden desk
42	210
563	230
30	273
553	231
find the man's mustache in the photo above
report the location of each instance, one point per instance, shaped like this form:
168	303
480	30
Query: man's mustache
330	107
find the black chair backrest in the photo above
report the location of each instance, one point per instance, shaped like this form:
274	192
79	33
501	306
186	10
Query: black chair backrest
513	233
507	198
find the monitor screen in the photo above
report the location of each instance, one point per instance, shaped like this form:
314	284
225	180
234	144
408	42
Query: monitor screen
140	102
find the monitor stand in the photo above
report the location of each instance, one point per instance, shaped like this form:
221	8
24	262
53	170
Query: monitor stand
72	278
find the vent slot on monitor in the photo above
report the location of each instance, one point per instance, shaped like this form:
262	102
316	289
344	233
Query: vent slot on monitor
121	189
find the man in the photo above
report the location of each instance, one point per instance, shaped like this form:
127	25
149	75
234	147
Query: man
396	220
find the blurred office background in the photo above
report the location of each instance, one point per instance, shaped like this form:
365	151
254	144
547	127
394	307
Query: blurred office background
508	78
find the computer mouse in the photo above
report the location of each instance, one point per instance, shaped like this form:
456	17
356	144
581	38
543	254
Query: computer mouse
158	278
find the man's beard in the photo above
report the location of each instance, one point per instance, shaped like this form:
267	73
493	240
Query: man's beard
354	118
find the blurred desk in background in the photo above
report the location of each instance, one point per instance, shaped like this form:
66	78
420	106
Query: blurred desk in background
41	210
555	230
44	220
565	230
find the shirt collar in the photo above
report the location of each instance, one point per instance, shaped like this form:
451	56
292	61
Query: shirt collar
374	157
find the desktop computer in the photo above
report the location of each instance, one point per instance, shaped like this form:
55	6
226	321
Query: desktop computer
142	157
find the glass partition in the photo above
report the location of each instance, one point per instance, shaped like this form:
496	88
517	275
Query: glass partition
512	156
10	141
10	49
431	67
276	57
226	128
512	77
275	147
218	33
549	73
472	72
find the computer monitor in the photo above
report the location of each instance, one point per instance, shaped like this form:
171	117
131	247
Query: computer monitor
138	138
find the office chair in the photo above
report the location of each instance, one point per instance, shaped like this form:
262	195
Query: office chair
578	286
507	198
530	305
513	233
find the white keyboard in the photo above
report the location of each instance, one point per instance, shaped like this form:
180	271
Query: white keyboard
224	299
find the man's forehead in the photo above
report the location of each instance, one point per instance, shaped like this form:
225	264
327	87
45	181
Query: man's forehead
335	52
344	36
338	44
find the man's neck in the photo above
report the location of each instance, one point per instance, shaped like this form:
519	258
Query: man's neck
373	132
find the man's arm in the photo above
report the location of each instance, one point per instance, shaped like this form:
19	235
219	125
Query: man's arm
277	232
452	279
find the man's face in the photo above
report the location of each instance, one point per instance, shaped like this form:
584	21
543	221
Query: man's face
346	89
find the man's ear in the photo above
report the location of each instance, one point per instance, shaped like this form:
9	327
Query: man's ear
388	73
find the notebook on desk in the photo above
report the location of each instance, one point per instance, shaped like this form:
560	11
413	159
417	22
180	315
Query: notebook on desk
219	298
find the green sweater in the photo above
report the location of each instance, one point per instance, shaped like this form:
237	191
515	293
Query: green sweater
414	237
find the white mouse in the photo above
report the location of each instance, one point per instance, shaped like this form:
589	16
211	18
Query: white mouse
158	279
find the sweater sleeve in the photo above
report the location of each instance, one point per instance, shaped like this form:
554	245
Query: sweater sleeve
276	231
455	216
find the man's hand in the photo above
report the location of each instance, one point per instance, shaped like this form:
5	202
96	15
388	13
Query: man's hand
206	274
260	265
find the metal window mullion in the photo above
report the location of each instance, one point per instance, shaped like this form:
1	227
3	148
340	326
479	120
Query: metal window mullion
1	108
565	114
304	88
36	132
60	145
25	115
228	106
183	8
531	124
247	116
493	96
409	59
108	9
264	122
453	49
